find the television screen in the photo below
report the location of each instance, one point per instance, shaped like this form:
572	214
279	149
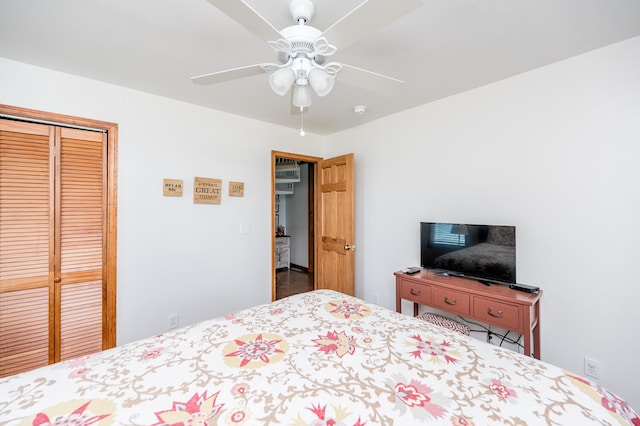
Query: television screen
483	252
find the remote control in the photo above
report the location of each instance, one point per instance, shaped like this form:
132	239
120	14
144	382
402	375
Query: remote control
525	288
411	271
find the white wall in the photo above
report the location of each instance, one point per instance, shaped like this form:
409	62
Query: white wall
175	256
556	152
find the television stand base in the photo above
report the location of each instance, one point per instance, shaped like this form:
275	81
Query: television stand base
497	305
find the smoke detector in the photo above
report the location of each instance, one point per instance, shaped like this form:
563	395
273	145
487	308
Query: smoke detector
359	109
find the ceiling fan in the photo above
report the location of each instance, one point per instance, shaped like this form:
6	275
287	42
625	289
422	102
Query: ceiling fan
302	50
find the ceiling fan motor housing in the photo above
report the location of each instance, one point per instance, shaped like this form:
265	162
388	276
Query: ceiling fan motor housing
301	37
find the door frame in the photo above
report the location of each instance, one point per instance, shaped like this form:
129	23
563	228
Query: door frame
109	257
312	207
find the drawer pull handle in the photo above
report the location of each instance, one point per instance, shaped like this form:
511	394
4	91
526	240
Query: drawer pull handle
450	302
415	293
498	315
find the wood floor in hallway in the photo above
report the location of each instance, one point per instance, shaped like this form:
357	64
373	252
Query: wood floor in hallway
291	281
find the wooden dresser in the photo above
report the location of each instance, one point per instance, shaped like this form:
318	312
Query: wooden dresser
495	304
283	252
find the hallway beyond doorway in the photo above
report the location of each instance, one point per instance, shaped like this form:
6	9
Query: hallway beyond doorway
290	282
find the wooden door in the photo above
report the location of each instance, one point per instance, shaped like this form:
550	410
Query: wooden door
335	224
80	241
57	244
26	246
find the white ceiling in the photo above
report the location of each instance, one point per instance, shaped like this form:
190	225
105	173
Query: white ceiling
442	48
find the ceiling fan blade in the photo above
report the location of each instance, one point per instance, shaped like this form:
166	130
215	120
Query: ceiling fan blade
245	15
231	74
369	80
367	17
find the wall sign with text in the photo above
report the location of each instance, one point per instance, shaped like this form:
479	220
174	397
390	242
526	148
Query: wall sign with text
236	189
207	191
172	188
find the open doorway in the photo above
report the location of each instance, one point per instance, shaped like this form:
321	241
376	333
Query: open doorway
293	190
330	225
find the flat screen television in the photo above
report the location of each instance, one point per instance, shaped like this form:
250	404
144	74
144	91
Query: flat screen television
483	252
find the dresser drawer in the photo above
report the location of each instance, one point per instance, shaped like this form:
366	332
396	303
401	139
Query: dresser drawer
451	300
497	313
418	293
282	242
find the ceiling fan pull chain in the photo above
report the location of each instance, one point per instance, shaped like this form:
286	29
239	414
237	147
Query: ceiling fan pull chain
302	121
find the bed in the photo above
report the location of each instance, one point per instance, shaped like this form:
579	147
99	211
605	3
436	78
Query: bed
484	259
318	358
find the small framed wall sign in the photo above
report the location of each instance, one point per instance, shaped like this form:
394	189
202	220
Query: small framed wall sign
236	189
207	191
172	188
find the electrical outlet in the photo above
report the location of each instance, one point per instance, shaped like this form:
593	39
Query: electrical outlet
173	321
591	367
375	298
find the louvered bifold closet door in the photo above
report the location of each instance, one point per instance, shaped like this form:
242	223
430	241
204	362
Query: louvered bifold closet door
82	186
52	240
26	246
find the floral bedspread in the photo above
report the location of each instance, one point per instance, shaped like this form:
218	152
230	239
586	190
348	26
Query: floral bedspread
319	358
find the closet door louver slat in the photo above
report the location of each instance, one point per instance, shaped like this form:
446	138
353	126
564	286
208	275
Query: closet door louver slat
24	330
81	319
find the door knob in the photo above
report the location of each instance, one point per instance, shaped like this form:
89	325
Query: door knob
347	247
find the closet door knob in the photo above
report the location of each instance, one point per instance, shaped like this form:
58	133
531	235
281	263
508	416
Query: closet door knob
56	280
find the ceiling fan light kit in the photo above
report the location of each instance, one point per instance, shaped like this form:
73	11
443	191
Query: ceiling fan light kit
302	50
282	80
302	96
321	81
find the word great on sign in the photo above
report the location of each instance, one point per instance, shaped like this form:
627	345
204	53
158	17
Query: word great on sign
207	191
